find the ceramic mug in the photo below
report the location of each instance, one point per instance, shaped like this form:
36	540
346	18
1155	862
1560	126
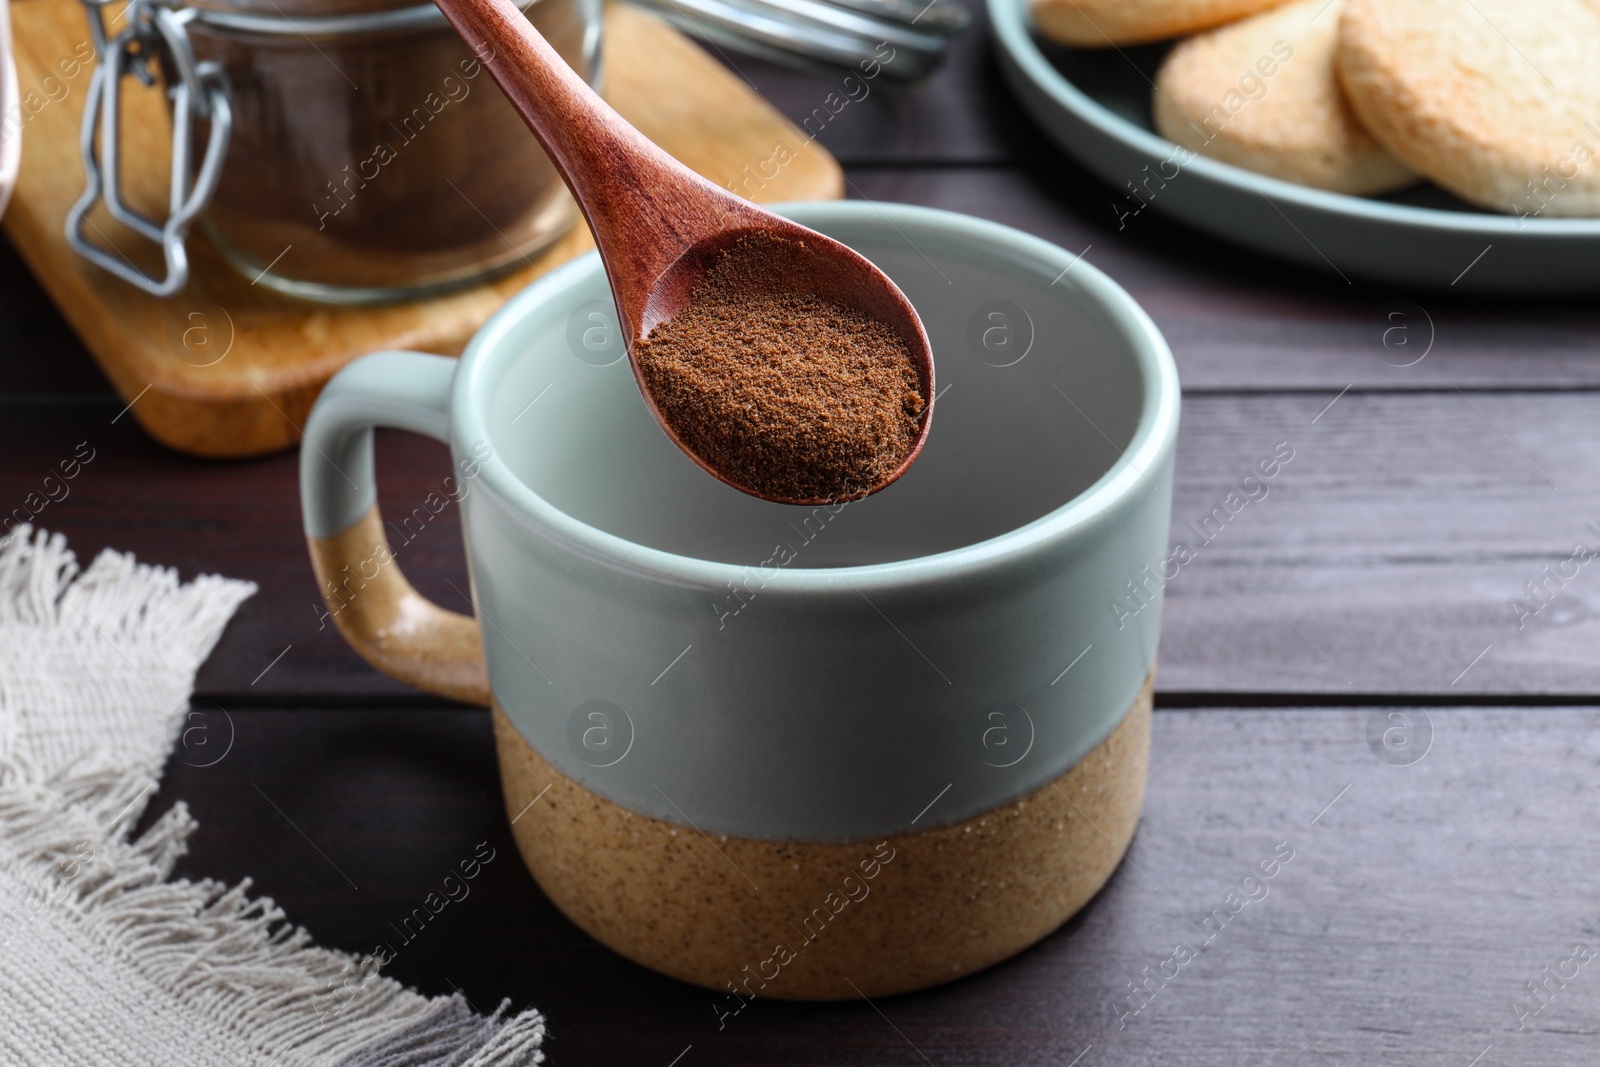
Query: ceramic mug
801	753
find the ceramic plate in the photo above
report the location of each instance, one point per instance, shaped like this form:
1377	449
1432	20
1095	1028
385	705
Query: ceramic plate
1096	105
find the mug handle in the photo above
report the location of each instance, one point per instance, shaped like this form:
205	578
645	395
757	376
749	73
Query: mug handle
393	627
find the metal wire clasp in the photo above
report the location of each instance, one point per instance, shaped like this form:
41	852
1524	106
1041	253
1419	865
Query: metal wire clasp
154	35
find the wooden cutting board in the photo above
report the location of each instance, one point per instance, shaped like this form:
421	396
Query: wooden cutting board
166	357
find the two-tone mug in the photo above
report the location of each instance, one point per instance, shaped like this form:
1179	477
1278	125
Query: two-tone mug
791	752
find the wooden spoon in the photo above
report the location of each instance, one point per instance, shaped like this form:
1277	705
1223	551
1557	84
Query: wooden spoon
658	224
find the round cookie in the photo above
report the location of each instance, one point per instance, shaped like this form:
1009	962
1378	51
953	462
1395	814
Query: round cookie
1496	100
1262	94
1102	23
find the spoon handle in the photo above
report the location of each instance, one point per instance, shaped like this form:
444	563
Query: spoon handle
646	209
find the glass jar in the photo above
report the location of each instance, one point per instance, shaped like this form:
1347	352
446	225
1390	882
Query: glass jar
369	155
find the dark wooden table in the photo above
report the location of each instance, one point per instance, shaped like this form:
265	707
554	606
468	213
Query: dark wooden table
1373	589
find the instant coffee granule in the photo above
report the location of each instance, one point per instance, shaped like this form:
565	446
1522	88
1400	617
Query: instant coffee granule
790	396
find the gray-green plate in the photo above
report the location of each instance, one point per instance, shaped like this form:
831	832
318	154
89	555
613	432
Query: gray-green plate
1096	105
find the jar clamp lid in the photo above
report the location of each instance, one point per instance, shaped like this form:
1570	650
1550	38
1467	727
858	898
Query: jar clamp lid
199	91
155	43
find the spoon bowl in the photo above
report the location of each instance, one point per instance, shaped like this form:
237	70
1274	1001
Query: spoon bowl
660	227
799	261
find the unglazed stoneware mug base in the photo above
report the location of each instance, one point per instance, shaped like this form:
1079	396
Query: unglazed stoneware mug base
799	920
798	753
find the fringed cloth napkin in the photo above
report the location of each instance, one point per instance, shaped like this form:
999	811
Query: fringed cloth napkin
103	958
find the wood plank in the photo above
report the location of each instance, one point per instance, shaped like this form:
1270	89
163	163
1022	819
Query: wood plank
1385	556
39	356
1392	544
278	351
1418	902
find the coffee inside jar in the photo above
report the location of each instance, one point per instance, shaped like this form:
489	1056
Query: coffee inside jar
379	161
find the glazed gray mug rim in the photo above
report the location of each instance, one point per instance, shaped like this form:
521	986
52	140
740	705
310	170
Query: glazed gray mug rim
1154	435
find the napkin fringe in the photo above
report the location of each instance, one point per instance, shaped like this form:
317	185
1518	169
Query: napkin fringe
42	587
232	960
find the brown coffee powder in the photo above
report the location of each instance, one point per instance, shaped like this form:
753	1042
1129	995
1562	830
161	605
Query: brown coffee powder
791	396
